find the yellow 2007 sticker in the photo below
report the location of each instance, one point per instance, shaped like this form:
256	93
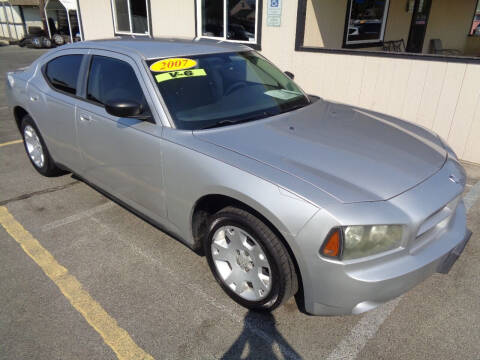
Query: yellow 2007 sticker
172	64
180	74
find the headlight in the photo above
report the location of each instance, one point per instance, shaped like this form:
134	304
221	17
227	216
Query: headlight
353	242
361	241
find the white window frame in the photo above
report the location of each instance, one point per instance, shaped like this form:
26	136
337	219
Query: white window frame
382	32
115	28
225	29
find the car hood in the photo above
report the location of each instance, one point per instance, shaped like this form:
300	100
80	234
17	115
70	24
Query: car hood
352	154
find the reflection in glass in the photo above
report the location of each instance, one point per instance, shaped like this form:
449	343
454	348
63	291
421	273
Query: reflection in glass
223	89
366	20
212	18
241	20
121	12
475	30
139	16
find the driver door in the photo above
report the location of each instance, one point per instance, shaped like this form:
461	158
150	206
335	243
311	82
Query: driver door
123	156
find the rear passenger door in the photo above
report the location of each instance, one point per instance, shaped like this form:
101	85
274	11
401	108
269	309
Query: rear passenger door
53	99
121	155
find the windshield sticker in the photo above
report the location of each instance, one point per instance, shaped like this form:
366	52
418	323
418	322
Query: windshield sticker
282	94
172	64
179	75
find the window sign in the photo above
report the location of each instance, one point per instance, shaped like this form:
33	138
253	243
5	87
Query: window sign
274	13
233	20
366	22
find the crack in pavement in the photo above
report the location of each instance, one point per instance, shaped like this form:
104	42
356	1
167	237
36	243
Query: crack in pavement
39	192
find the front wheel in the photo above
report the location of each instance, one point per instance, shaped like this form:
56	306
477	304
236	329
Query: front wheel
249	261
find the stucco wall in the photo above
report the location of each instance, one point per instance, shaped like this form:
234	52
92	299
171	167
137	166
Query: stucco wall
278	42
173	18
472	46
97	19
398	21
451	22
325	23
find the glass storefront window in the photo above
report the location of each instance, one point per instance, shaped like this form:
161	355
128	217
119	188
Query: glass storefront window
234	20
366	23
241	20
131	16
212	18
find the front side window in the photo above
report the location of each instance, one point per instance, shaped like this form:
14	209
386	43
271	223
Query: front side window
206	91
234	20
62	72
113	79
366	21
131	16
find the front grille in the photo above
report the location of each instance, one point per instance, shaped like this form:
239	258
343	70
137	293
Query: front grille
435	224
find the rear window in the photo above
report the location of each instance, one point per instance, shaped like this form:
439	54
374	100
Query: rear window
62	72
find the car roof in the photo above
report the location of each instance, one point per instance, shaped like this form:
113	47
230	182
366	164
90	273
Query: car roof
157	48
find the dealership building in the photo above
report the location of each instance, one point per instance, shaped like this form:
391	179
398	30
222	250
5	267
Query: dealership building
418	60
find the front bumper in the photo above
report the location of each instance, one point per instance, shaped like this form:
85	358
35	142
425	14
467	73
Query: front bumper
356	288
452	257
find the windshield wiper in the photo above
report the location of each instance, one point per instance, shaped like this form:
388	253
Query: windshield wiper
227	122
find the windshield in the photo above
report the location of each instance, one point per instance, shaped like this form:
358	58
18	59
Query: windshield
213	90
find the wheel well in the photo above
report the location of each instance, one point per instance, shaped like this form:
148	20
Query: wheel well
19	113
210	204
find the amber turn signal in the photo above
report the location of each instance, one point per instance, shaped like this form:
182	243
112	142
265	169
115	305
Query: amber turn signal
332	245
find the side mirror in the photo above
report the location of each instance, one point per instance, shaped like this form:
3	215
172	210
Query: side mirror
123	108
290	75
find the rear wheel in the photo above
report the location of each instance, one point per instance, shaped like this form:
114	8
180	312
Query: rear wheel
36	150
249	261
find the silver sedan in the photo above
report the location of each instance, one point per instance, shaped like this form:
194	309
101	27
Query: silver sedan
283	192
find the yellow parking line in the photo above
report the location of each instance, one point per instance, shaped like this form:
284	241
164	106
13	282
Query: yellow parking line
113	335
11	143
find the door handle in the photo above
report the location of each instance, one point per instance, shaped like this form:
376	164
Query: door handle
85	118
33	98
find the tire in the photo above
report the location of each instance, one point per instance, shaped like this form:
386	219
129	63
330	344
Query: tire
40	159
58	39
37	42
261	256
46	43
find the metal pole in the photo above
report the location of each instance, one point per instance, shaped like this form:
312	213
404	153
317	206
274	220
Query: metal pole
69	25
79	20
46	19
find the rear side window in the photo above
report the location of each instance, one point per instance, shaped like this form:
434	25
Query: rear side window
62	72
113	79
